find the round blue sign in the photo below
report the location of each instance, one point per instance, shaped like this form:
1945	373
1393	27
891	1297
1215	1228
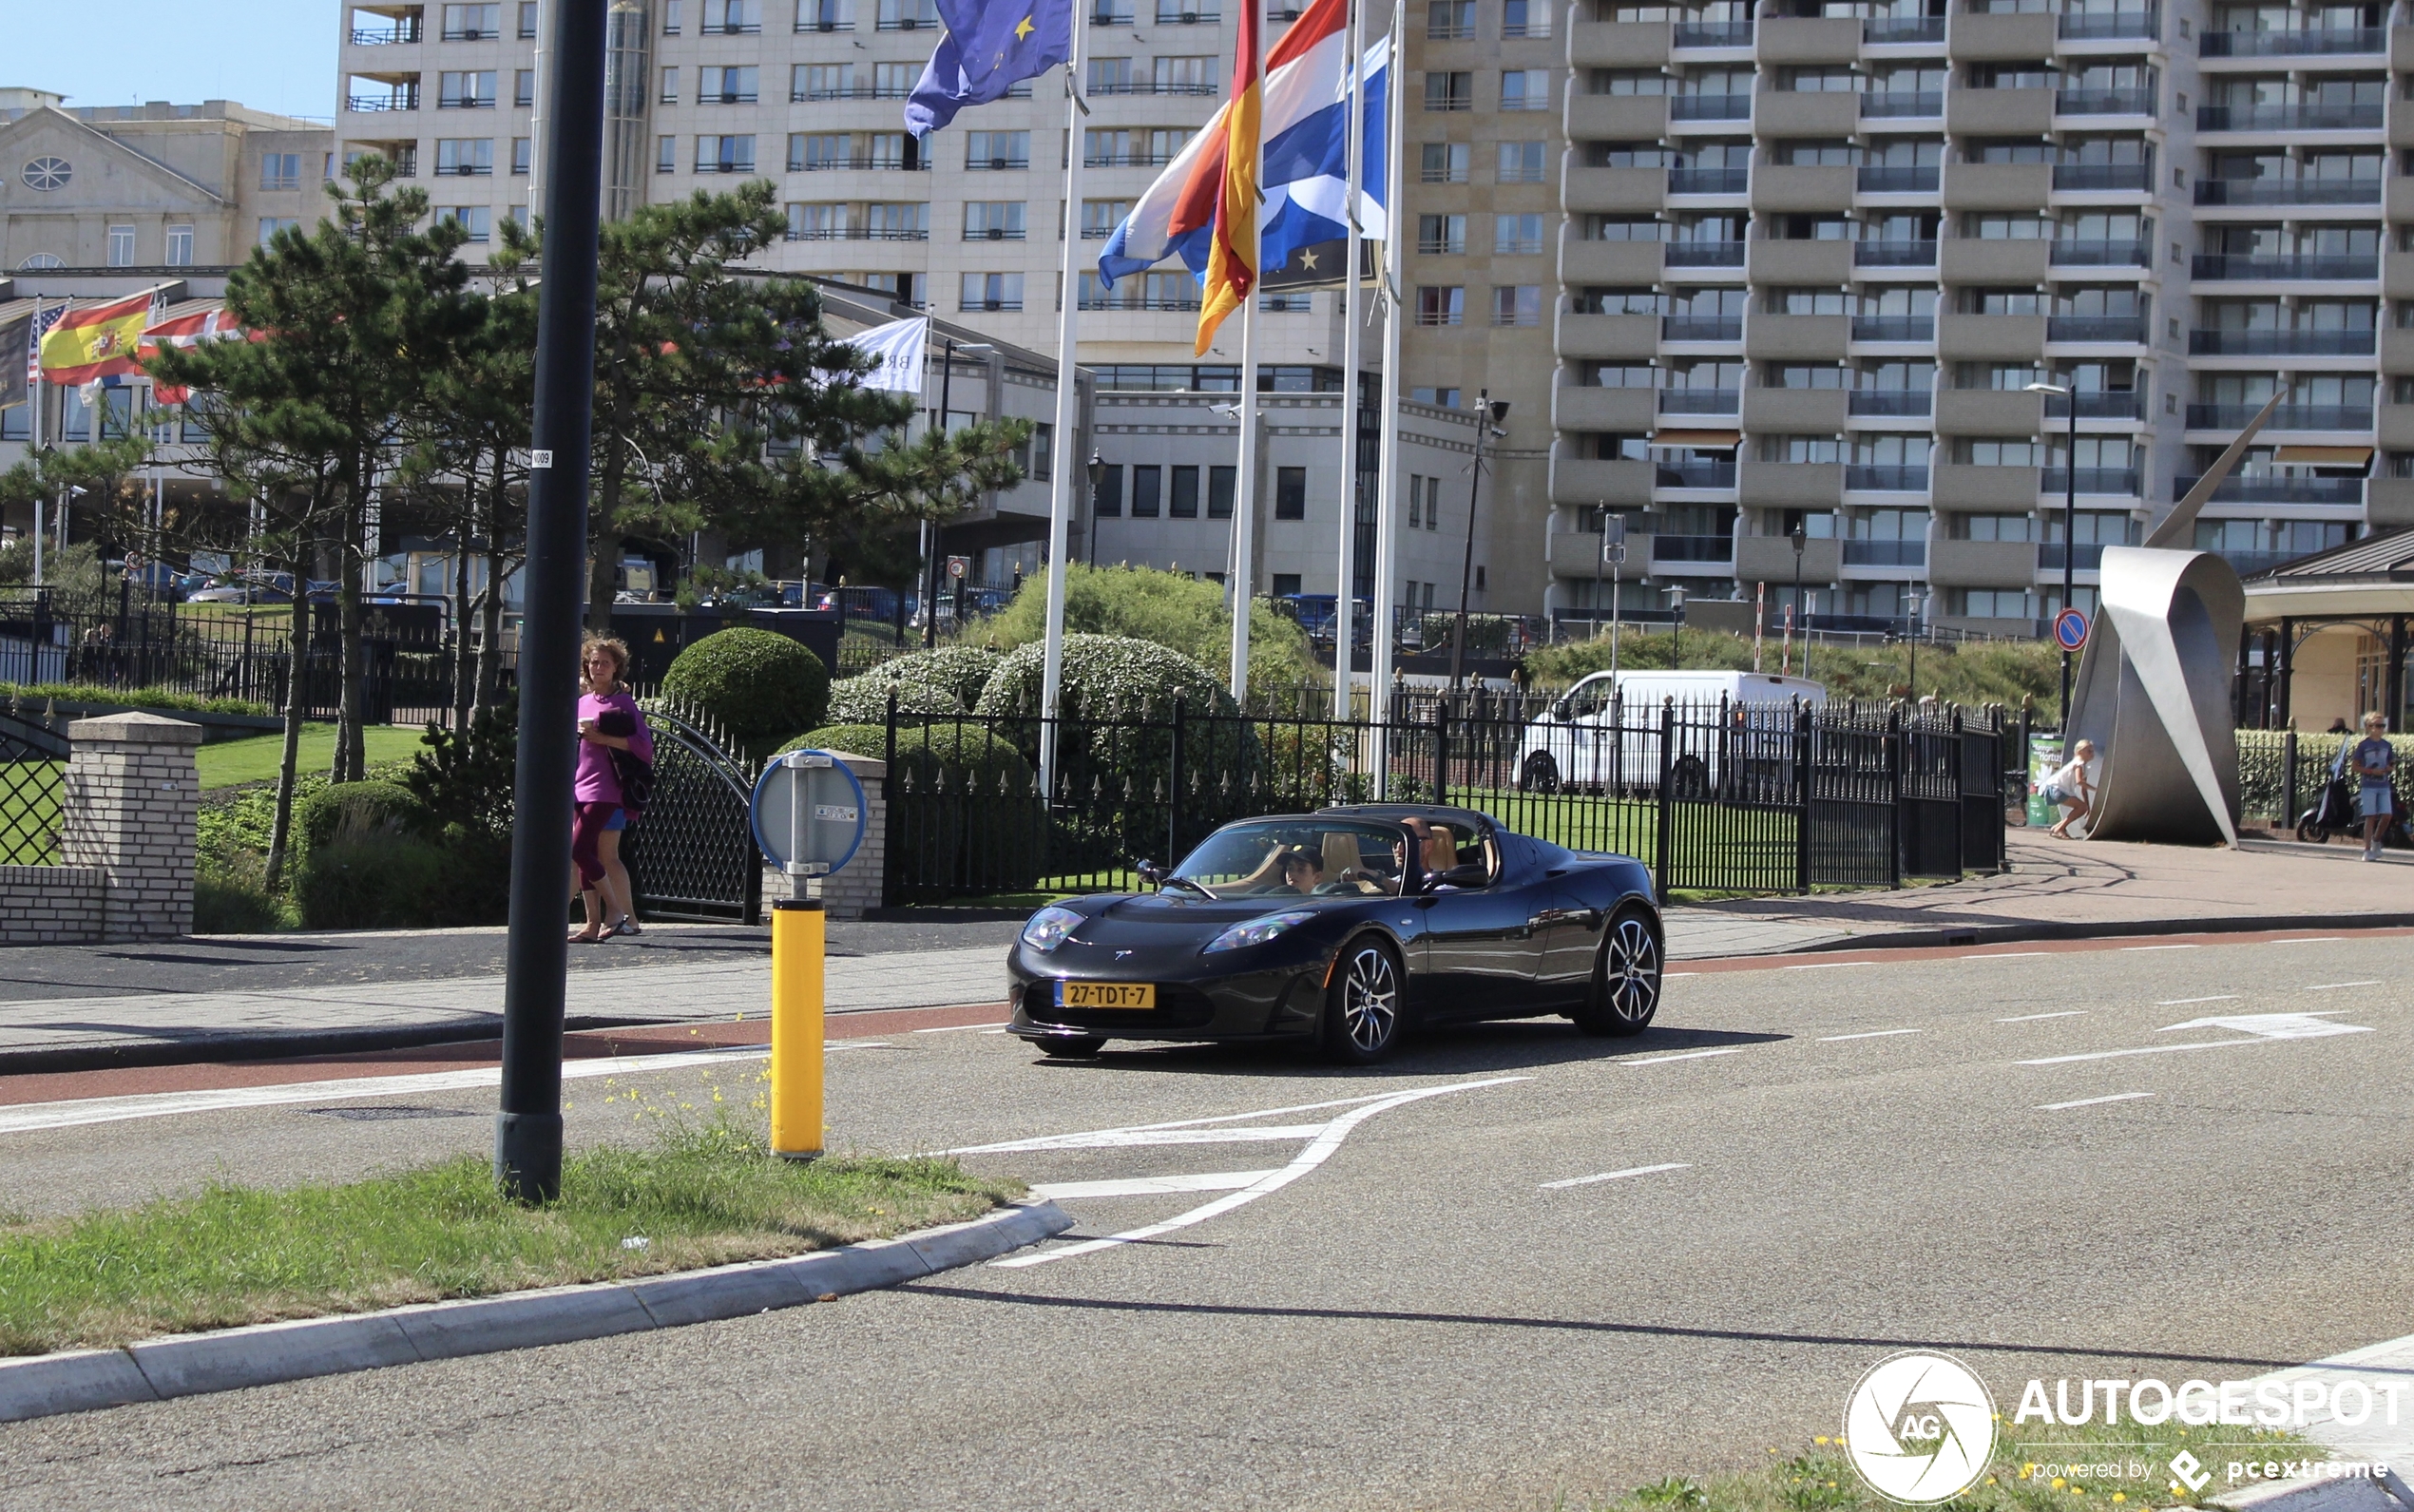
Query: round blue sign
2070	629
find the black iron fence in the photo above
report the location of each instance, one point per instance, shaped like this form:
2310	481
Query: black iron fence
1713	797
33	762
691	854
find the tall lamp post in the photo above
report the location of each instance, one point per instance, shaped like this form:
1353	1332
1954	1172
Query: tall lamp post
937	537
1489	413
1098	477
527	1128
1676	625
1799	536
2070	519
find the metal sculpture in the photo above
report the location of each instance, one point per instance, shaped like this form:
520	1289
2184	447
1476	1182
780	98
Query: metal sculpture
2154	684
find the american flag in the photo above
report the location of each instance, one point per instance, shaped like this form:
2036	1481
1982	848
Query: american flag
43	321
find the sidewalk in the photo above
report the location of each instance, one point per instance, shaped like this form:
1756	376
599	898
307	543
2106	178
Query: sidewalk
2054	889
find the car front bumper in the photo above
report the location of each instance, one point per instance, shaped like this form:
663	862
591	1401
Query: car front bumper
1268	999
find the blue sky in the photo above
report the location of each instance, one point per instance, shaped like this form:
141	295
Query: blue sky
271	54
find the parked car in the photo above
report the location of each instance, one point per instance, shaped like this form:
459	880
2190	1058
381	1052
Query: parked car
879	605
1605	731
1346	929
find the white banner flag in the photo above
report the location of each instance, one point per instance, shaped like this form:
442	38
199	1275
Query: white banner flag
898	346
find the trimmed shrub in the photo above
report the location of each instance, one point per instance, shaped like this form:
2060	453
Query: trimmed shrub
235	899
354	810
761	688
972	822
865	700
962	670
1172	609
1106	676
377	880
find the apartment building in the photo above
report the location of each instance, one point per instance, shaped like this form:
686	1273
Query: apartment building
157	186
1813	260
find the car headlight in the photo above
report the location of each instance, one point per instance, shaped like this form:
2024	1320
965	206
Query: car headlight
1256	932
1050	928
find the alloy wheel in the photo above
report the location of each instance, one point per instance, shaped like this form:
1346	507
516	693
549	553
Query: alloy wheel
1370	1000
1632	970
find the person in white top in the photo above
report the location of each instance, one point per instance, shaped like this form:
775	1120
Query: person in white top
2070	789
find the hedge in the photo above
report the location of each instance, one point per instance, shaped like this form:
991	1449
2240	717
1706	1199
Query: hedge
865	700
964	671
761	688
353	810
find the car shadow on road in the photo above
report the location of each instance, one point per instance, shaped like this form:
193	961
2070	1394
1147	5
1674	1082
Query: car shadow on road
1444	1050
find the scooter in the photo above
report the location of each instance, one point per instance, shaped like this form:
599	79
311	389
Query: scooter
2334	813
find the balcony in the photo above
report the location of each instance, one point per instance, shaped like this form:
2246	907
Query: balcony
2133	101
1693	549
1894	254
2215	266
2106	26
1701	328
2287	417
2128	328
1885	178
2274	489
2070	253
1117	301
1704	254
403	30
2103	176
1712	473
2293	44
1885	553
1888	478
1709	180
1701	401
2099	404
386	94
2280	343
1895	402
1903	104
1186	16
1894	327
1712	34
2300	116
1887	29
2088	558
1126	159
1160	87
2288	191
2091	480
1710	107
858	234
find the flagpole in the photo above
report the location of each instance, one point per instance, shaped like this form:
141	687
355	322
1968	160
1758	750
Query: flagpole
1345	596
33	448
1059	522
1387	514
1244	514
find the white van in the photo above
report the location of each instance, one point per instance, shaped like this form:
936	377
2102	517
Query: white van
1576	743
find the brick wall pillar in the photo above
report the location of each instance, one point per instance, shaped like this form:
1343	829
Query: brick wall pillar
859	886
127	809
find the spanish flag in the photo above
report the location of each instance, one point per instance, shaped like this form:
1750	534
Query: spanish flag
97	341
1231	256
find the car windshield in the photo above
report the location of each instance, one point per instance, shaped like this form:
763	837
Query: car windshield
1295	858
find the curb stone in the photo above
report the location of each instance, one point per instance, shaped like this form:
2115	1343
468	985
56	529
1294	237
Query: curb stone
2111	930
263	1354
2342	1494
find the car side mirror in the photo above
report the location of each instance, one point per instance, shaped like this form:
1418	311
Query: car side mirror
1150	872
1469	875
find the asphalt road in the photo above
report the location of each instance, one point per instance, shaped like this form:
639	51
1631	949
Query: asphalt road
266	963
1831	1161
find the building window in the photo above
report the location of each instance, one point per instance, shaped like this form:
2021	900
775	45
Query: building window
523	155
725	154
1519	304
476	221
1520	162
734	18
1145	482
472	23
1107	502
1286	584
528	20
894	80
1223	486
726	85
825	15
1524	90
281	170
1445	93
1440	305
1439	398
1291	493
1445	162
179	246
121	246
1441	235
465	157
1517	235
997	151
1449	20
906	222
466	91
992	291
821	81
1182	502
671	10
993	220
271	224
908	15
1526	18
666	154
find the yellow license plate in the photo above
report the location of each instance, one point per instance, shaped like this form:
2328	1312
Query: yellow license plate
1106	994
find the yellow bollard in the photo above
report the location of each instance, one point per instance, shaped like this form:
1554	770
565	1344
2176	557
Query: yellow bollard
797	941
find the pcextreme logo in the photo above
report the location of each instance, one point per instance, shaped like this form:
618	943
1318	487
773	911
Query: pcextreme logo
1920	1429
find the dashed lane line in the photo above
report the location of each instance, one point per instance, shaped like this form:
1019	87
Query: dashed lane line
1615	1176
1148	1186
2089	1103
2031	1018
1686	1055
1871	1034
2181	1003
2332	987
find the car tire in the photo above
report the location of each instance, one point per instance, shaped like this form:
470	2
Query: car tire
1072	1046
1540	773
1364	1008
1626	977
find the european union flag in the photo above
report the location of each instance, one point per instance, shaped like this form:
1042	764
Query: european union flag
990	46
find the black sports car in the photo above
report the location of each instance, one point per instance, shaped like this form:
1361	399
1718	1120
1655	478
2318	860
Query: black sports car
1345	926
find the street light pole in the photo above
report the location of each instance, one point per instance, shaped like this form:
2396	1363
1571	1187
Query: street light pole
2070	519
527	1130
1488	413
1798	535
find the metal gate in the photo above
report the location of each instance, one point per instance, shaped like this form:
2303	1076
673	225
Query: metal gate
1931	748
32	776
1982	799
692	855
1851	813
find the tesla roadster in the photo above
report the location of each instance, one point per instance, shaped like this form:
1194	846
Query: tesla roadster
1345	928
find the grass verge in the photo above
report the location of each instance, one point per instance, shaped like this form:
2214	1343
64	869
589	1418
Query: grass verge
2037	1467
232	763
235	1255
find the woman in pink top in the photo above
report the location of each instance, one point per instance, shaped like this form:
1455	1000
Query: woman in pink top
609	721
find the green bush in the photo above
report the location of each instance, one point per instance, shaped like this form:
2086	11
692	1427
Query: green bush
865	700
962	670
1170	610
379	880
2263	769
971	823
234	898
1105	676
1970	674
355	809
165	700
465	777
761	688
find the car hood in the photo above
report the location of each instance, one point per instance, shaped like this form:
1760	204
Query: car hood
1175	918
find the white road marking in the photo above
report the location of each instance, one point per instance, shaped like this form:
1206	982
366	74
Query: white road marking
1686	1055
2181	1003
161	1104
1873	1034
2265	1028
1670	976
1133	1138
2031	1018
2089	1103
2332	987
1615	1176
959	1028
2159	947
1328	1139
1828	966
1149	1185
2003	955
2310	939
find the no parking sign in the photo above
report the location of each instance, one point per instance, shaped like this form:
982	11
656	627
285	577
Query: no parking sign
2070	630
